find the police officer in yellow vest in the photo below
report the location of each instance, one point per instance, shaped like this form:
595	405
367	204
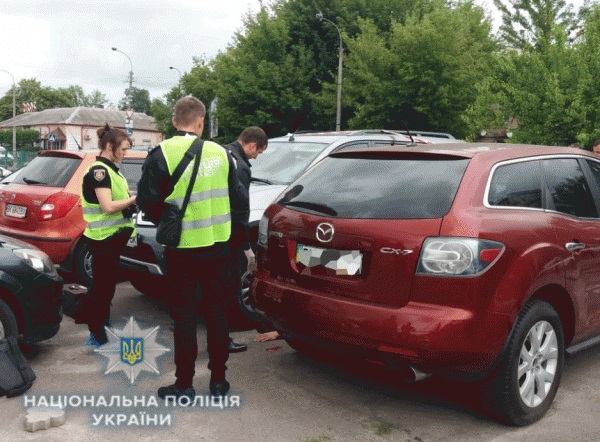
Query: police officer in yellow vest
202	256
107	208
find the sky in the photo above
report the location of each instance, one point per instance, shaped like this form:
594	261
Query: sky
68	42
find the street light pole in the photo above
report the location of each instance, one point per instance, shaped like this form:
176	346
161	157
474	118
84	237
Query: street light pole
130	89
178	71
338	116
14	133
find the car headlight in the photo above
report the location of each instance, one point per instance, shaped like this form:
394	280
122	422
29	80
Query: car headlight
36	259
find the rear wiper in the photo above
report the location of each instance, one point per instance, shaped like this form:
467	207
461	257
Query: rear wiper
313	207
29	181
260	180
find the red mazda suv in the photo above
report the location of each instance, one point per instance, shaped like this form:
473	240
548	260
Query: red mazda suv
478	261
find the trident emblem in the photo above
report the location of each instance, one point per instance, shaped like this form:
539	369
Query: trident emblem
132	350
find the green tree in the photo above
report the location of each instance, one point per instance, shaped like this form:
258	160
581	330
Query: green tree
140	101
262	80
26	139
526	23
421	75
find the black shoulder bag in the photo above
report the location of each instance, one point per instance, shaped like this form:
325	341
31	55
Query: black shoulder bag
169	227
16	376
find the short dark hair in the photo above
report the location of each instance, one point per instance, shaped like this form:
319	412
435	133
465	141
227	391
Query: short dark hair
597	142
187	109
113	136
254	134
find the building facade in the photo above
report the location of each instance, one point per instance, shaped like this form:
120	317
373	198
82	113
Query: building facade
74	128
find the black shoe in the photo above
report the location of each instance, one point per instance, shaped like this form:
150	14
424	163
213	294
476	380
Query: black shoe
219	388
234	347
173	390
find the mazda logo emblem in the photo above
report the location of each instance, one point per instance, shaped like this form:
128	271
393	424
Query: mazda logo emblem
325	232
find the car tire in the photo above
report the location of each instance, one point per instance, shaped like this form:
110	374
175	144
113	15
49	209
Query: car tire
83	264
244	299
529	371
8	322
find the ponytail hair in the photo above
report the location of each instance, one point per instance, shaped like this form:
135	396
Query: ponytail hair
111	136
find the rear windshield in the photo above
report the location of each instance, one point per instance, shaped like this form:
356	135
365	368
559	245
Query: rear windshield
378	188
48	171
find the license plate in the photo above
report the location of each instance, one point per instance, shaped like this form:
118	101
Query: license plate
15	211
329	261
132	241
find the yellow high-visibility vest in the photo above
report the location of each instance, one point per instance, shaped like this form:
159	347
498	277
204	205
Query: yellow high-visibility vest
101	225
207	219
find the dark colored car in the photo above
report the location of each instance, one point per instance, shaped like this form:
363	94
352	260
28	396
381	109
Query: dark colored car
41	204
285	159
30	292
477	261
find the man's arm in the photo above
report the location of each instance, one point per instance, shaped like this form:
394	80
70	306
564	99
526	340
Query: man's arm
153	185
240	203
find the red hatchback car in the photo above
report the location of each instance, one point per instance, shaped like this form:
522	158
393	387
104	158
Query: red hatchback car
42	205
472	260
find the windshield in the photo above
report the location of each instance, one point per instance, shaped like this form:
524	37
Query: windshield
284	161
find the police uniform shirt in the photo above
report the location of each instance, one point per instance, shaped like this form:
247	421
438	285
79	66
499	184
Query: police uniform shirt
96	178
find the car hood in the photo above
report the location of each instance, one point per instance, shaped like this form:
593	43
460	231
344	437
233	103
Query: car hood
7	242
261	196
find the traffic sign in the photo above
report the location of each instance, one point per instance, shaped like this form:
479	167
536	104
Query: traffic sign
129	126
52	138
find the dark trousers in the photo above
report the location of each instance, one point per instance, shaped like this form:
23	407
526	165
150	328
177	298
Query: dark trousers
206	269
105	266
238	265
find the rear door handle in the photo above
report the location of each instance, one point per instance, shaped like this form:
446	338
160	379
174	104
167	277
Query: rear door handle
572	246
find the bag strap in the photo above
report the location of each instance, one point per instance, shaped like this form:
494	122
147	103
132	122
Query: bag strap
195	147
188	193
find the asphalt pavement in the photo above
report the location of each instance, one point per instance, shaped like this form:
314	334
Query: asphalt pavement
276	395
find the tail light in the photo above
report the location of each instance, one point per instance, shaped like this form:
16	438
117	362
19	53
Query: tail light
262	243
456	256
58	205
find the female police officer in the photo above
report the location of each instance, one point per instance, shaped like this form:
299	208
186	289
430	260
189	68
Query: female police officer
107	208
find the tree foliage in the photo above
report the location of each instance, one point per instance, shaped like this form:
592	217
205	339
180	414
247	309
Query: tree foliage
26	139
140	101
421	75
528	23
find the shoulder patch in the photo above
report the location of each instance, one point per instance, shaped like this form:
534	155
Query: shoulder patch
99	174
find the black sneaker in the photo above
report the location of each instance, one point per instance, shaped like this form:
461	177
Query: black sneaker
219	388
173	390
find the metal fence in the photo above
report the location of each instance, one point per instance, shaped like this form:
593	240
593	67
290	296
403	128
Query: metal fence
23	157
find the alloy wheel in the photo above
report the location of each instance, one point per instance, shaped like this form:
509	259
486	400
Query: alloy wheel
538	362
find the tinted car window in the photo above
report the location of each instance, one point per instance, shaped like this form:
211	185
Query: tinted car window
568	188
595	169
517	185
49	171
378	188
282	162
132	170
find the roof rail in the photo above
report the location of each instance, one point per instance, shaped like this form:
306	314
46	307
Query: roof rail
416	133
